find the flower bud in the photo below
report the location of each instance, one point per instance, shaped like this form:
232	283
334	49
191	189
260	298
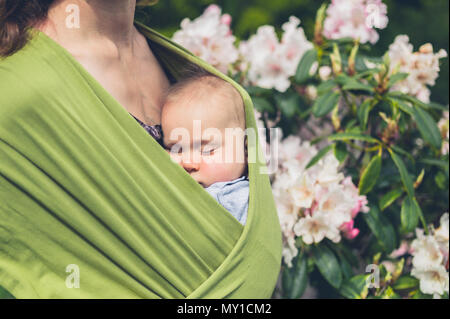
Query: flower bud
325	72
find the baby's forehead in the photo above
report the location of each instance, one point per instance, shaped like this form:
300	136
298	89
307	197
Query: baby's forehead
205	86
209	96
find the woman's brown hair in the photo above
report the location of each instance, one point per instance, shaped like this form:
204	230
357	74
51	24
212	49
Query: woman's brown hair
16	16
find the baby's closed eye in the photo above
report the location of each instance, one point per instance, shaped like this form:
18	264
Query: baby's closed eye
209	150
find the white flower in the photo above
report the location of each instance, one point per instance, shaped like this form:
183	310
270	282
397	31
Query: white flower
313	229
442	233
327	171
289	251
401	50
294	44
426	252
209	37
271	62
287	211
433	280
302	191
422	67
356	19
292	150
336	205
442	237
444	128
430	259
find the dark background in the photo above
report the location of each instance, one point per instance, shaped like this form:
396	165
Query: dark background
422	20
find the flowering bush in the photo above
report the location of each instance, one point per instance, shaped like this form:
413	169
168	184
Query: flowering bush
313	203
348	118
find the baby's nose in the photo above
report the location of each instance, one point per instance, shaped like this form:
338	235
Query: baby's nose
190	166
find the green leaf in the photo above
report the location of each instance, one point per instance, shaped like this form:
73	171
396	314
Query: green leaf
347	270
342	79
300	279
328	265
438	106
382	228
420	295
363	113
435	162
416	101
340	151
402	105
409	214
348	254
390	198
427	127
257	91
318	156
355	85
351	127
406	179
304	67
396	78
405	282
389	293
403	152
326	86
352	136
366	73
288	104
325	103
369	176
354	287
262	104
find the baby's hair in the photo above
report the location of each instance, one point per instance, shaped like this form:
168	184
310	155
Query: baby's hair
192	75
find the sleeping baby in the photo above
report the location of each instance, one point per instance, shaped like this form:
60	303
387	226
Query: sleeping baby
203	124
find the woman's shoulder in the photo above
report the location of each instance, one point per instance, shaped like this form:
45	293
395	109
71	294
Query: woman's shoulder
28	75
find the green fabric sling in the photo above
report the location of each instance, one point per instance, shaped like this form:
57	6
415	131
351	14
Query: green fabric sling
82	183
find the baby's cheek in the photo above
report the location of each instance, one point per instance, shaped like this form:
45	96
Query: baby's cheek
218	172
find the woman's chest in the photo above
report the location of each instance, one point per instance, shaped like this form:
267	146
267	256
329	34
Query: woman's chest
138	84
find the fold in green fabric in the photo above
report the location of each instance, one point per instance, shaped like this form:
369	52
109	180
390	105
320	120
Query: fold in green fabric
82	183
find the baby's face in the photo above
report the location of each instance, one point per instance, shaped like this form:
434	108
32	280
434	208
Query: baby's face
203	136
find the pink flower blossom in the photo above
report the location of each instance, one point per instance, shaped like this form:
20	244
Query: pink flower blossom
361	201
210	38
348	230
272	62
356	19
400	251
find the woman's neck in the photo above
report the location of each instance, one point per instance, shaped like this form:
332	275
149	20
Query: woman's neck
99	21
